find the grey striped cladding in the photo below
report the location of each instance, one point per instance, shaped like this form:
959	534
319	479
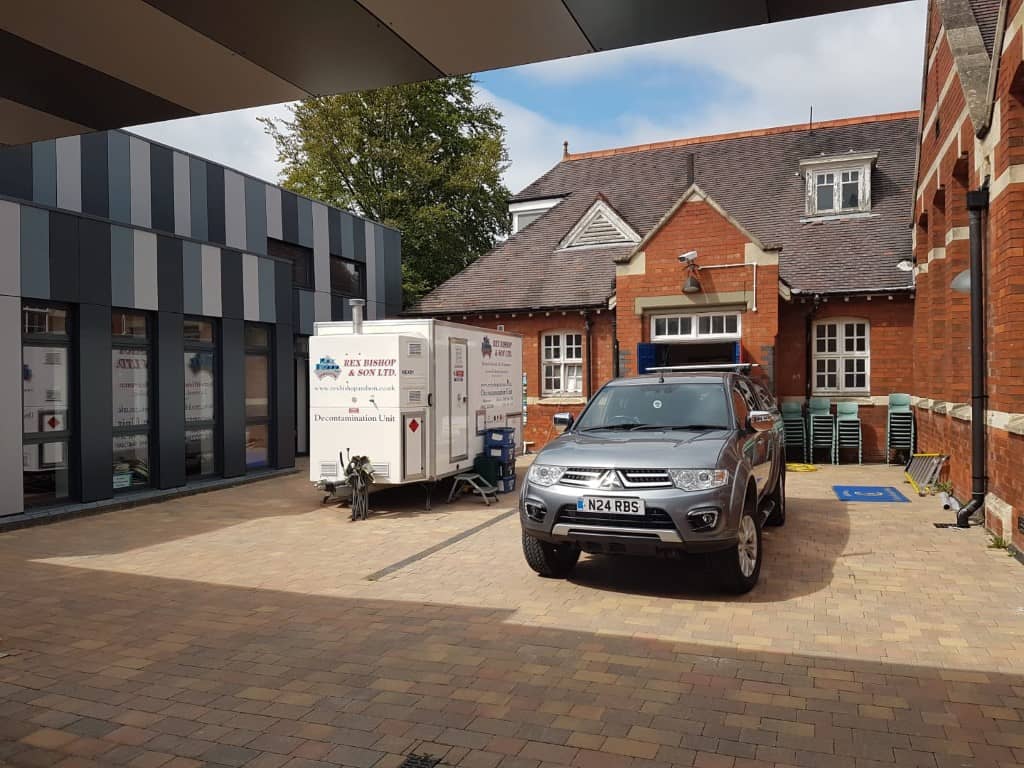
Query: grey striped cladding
182	196
145	270
35	253
142	200
122	267
10	249
274	224
268	292
234	209
119	181
197	198
255	216
44	172
211	281
192	278
69	173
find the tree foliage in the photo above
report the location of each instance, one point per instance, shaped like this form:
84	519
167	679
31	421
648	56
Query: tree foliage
424	158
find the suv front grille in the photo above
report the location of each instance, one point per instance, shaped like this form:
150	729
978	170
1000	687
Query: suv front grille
654	518
590	477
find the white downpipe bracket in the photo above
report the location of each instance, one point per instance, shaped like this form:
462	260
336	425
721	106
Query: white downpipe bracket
753	304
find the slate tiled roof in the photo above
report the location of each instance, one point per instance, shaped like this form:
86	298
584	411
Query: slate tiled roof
986	13
754	176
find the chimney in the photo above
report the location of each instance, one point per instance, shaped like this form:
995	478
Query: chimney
565	150
691	172
357	314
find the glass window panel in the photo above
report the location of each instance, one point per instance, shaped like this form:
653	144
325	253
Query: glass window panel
200	453
660	324
718	324
44	387
257	452
574	378
128	324
45	473
703	325
300	257
130	384
825	196
200	386
198	330
851	195
673	326
685	326
131	462
44	321
574	347
731	324
345	277
257	394
552	348
256	336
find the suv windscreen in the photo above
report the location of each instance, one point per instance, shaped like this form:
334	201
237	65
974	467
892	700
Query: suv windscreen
658	406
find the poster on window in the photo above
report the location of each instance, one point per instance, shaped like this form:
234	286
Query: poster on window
44	376
130	368
199	386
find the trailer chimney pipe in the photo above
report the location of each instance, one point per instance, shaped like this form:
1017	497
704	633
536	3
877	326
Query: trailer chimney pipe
357	314
977	204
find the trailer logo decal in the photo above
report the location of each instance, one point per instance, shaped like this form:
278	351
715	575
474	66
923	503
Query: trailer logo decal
485	347
327	368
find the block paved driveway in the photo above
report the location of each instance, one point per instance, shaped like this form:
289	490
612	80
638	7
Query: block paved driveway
239	628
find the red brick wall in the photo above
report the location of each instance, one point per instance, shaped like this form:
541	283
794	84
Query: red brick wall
698	226
532	326
941	337
891	363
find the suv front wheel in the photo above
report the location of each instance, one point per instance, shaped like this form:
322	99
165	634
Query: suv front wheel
555	561
741	565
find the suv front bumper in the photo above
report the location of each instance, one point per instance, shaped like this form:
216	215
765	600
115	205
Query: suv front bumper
550	514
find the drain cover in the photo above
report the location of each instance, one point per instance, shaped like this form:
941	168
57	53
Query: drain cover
420	761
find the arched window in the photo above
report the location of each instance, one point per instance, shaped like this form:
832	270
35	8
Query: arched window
842	356
562	363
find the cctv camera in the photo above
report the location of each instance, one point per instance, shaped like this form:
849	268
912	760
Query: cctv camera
685	258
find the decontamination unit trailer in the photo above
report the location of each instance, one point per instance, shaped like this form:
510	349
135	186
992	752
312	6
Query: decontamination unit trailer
414	396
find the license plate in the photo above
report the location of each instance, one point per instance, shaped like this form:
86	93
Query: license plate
610	505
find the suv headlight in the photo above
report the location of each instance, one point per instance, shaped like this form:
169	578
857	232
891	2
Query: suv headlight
545	474
699	479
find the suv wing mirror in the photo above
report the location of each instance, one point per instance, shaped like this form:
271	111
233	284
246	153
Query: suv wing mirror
564	420
760	421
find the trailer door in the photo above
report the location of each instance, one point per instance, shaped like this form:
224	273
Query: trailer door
458	375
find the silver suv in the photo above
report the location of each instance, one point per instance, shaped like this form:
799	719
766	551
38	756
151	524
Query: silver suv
663	464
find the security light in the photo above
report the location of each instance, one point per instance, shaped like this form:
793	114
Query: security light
962	282
692	285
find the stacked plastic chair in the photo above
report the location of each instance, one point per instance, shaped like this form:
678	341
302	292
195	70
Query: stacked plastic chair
899	432
848	431
795	429
822	426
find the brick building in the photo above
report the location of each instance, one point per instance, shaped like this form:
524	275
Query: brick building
797	233
972	138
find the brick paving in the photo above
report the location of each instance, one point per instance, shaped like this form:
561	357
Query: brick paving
238	629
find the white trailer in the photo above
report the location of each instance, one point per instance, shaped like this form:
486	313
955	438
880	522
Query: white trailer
414	396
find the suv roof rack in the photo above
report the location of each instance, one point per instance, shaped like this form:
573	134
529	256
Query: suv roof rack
742	367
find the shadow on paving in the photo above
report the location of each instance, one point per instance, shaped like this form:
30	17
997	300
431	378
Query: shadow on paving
118	668
796	562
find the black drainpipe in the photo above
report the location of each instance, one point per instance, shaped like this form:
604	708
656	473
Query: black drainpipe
587	326
977	205
809	347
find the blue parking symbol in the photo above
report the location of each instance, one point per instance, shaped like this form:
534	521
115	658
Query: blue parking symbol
869	493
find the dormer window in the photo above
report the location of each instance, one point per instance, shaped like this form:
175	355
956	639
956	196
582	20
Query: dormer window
838	185
525	212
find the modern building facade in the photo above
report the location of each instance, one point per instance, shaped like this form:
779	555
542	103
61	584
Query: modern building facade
159	304
777	247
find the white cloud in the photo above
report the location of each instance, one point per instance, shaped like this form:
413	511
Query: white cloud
854	63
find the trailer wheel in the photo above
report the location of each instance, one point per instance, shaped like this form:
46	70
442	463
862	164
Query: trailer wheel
553	561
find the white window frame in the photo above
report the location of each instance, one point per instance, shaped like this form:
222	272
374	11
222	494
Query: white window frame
563	363
838	165
694	320
841	355
529	207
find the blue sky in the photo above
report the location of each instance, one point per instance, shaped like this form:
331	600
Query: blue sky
855	63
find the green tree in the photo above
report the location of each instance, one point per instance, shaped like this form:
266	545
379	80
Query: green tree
424	158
